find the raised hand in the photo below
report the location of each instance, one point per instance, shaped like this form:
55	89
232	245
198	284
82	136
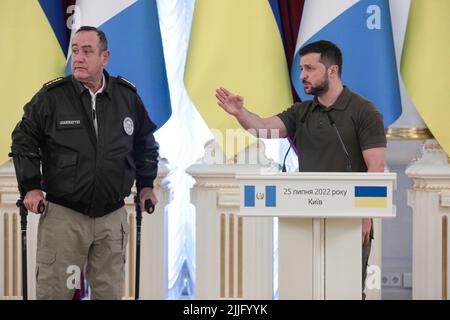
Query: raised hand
231	103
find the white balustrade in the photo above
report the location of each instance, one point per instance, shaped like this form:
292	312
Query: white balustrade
430	200
153	284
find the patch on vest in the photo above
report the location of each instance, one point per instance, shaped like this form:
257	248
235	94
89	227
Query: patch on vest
68	124
128	126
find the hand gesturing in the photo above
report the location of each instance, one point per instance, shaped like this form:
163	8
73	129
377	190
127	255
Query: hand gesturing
231	103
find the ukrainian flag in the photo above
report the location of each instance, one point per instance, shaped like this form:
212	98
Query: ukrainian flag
236	44
30	56
370	197
426	65
363	31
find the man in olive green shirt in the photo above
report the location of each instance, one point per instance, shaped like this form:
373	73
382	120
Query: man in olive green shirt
318	125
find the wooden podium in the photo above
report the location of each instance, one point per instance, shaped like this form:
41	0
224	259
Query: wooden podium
319	244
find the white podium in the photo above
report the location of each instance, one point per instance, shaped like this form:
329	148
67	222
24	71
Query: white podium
319	226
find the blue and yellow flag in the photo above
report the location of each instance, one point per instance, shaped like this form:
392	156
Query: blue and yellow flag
236	44
425	65
370	197
362	30
134	39
30	56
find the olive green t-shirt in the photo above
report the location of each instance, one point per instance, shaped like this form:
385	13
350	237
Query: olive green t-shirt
358	121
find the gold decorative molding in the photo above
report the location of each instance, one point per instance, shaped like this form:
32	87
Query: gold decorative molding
231	255
240	258
131	249
428	187
12	186
444	203
444	256
15	273
5	254
222	254
225	204
430	184
408	134
217	186
432	146
434	179
231	237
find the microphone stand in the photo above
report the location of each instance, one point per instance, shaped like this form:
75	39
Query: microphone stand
333	124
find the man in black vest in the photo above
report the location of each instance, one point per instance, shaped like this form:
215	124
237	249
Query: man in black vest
92	136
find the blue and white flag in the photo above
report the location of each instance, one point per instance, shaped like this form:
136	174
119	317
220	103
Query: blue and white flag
134	39
362	30
261	196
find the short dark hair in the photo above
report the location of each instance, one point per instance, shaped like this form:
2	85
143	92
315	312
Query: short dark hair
329	53
101	36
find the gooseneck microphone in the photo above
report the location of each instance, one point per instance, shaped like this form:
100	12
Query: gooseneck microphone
302	121
333	124
283	168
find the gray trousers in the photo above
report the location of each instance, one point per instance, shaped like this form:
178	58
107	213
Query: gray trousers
70	242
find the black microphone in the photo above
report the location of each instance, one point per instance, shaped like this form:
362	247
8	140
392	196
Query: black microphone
333	124
302	121
283	168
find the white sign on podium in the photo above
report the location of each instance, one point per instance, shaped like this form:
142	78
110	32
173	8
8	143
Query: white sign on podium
319	226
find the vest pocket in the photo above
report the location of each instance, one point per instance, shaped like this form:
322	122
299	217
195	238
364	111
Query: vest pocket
60	173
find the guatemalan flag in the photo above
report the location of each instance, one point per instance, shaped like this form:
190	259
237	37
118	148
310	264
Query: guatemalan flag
134	39
362	30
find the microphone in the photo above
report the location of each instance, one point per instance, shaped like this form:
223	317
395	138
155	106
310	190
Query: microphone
333	124
283	168
302	121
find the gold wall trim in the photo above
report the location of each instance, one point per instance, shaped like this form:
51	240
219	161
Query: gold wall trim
225	204
13	187
131	250
240	257
444	256
432	146
15	274
441	201
5	254
430	188
217	185
222	254
408	134
231	255
443	179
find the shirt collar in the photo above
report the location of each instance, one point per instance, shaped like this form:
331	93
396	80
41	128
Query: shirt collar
340	103
106	87
99	90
